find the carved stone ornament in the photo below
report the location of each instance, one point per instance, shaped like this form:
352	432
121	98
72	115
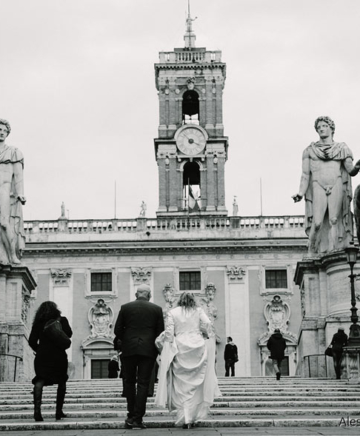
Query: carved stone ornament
190	83
170	298
100	318
141	275
61	277
235	273
210	308
277	314
302	298
25	305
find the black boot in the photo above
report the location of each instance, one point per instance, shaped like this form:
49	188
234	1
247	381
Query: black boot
60	397
38	388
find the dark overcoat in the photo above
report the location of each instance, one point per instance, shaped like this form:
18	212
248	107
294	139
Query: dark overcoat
50	363
339	341
230	352
113	368
277	345
138	324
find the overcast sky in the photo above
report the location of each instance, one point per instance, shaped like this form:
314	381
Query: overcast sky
77	85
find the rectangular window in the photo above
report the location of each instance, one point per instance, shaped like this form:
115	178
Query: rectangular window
276	278
101	282
190	281
99	368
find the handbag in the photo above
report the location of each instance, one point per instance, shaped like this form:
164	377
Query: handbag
53	331
329	351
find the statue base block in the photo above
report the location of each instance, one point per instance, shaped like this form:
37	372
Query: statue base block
16	357
325	305
352	364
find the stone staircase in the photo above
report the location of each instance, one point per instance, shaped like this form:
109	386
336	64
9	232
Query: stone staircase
245	402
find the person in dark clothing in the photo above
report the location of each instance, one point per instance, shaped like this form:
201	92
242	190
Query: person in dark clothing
113	367
277	345
138	325
230	357
50	362
339	341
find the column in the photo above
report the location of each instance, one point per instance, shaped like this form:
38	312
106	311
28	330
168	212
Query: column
162	185
210	182
203	187
221	183
173	183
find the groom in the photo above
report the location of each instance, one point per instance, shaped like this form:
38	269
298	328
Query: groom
138	325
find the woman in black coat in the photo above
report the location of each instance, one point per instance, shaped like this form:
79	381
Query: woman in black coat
339	341
50	361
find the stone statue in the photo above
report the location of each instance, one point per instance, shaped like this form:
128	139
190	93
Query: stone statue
63	211
12	241
143	209
235	207
326	184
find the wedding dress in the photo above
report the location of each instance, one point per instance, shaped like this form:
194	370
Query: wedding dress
187	379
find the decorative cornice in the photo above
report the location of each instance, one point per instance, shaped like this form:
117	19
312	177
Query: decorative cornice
190	66
167	246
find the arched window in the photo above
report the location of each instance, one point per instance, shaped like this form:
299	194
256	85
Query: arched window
191	187
190	107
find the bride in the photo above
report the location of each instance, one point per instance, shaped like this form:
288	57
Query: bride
187	379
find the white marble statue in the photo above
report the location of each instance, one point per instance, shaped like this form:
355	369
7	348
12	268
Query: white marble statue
326	185
12	240
143	209
235	207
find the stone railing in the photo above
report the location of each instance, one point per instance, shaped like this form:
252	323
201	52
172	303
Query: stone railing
194	55
178	223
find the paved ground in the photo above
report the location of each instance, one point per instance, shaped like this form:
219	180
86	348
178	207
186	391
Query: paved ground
233	431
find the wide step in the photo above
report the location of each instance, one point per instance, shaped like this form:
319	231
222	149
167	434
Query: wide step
245	402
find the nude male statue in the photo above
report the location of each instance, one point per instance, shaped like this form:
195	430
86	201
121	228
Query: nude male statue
326	184
11	199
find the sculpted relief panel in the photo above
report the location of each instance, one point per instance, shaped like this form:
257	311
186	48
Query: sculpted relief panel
60	277
100	319
141	275
235	273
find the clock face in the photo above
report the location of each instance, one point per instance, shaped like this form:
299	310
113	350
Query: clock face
191	141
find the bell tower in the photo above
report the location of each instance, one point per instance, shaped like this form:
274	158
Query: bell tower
191	149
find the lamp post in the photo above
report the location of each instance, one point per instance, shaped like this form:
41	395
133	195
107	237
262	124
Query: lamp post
354	336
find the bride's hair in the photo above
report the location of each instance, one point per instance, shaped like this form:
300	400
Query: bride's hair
187	300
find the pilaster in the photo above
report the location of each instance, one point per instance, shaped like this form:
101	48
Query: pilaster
210	181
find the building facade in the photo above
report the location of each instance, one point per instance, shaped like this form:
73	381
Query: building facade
240	268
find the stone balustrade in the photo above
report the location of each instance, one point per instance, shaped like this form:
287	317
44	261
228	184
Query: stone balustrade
186	223
195	55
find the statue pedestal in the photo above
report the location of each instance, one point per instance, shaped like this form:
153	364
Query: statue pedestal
16	357
325	305
352	364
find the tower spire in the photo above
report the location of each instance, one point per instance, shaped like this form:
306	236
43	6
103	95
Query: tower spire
189	36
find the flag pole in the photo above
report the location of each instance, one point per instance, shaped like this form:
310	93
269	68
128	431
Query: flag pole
261	209
115	201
